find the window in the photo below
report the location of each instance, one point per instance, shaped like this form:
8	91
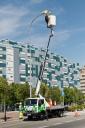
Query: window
31	102
83	75
40	102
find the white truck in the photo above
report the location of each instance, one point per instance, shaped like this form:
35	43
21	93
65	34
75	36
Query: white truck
39	109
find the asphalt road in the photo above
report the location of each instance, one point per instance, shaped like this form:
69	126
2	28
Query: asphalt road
64	122
74	124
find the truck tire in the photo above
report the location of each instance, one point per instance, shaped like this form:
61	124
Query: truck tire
60	113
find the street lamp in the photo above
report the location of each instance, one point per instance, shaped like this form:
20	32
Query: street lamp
62	92
30	75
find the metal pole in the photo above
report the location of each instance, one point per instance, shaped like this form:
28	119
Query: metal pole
62	91
5	118
30	75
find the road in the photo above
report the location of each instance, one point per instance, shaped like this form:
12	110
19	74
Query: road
64	122
73	124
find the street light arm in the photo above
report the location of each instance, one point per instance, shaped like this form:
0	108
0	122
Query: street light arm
34	21
45	12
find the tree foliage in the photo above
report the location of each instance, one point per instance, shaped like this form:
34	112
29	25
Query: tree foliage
44	89
13	93
50	92
4	90
73	95
55	94
19	92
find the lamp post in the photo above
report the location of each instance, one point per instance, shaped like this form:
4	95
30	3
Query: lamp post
5	117
30	75
62	92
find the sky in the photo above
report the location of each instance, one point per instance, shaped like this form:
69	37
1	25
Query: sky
69	33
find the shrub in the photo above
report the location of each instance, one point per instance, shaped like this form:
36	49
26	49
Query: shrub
76	107
80	107
72	108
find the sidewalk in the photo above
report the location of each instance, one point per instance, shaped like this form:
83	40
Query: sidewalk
73	113
12	115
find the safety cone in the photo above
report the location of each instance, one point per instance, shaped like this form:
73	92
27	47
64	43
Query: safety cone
20	115
77	114
50	102
54	103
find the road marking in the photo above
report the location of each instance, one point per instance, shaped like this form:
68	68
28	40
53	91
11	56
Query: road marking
43	127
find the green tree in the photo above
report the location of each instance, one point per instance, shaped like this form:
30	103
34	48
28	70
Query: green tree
44	90
69	95
19	92
79	96
54	93
4	90
4	93
50	92
73	95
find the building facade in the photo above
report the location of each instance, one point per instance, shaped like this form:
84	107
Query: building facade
82	80
20	63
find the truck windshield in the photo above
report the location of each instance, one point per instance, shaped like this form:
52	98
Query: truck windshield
31	102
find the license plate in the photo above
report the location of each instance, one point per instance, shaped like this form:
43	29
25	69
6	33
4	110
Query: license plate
29	114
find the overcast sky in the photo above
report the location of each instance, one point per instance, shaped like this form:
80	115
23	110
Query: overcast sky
69	34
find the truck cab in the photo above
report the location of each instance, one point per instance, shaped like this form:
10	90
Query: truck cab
34	107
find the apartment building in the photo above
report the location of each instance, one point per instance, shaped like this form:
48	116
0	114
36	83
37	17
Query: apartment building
20	63
82	80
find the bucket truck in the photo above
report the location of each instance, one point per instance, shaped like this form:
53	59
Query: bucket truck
38	107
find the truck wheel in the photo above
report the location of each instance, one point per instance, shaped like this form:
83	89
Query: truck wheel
29	117
46	115
42	115
60	113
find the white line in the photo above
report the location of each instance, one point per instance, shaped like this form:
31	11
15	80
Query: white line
43	127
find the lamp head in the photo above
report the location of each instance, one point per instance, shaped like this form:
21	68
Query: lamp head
46	12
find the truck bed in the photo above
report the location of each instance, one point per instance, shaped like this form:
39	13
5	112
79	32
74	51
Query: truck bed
55	111
55	107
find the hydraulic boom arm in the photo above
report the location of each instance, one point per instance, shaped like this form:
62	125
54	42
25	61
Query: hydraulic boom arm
50	19
42	67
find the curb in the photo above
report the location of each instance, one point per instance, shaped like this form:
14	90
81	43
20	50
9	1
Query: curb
9	120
